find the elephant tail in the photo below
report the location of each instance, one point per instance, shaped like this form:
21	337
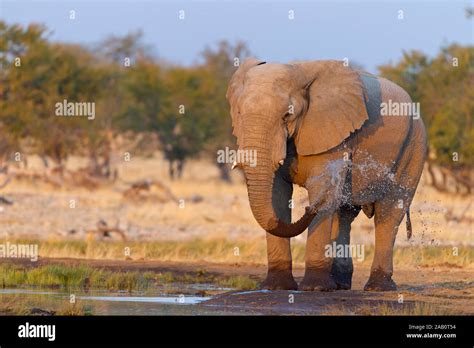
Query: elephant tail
409	229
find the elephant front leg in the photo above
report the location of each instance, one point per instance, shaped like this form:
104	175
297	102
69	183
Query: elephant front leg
279	276
318	266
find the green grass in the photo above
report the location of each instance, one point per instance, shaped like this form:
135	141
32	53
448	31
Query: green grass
82	277
66	277
239	282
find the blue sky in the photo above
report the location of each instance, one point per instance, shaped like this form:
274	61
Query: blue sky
366	32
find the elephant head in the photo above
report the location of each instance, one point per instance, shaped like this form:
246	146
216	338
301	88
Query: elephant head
317	103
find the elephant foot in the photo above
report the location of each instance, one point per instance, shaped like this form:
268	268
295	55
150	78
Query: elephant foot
279	280
343	281
342	275
380	281
317	280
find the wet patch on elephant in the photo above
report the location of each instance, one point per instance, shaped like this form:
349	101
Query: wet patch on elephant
382	180
286	171
341	272
342	267
373	95
332	180
282	192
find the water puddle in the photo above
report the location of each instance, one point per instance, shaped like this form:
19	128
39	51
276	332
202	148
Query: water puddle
171	299
180	300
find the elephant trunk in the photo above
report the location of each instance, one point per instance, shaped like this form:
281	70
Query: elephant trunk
260	180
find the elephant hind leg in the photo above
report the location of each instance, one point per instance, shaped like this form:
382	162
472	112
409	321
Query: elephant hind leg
388	216
342	267
390	211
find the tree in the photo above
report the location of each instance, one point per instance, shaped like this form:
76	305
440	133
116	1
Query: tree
221	63
444	87
39	75
188	120
183	107
15	112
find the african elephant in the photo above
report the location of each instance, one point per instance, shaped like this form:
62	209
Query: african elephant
320	125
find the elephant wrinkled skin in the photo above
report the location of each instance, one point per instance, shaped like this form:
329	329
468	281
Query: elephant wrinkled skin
318	124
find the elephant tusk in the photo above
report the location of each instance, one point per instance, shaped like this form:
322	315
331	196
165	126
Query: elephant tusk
281	162
234	165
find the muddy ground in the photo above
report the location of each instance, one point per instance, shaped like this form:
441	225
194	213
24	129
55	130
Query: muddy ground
425	291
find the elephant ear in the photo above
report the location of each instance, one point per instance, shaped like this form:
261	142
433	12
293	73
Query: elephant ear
234	91
336	107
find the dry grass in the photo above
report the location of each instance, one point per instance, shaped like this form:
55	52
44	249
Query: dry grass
221	250
386	308
435	256
41	212
217	250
